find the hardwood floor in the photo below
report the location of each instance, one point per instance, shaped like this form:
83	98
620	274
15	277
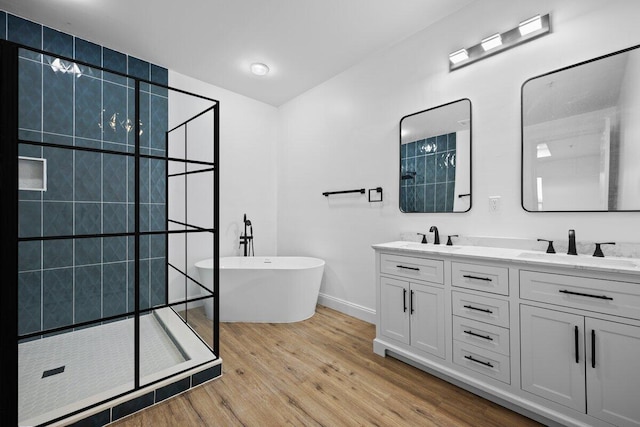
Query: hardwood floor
320	372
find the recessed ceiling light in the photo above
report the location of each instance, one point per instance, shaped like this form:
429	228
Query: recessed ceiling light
491	42
259	69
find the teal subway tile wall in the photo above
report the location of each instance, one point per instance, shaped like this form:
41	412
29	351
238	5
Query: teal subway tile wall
428	174
67	281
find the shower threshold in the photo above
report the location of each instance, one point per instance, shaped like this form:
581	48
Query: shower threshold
62	374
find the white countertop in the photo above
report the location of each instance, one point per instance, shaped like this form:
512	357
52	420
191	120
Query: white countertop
579	262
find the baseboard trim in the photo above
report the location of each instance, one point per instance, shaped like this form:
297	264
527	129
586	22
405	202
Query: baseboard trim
359	312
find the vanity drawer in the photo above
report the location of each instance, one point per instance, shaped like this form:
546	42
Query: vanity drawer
481	334
494	365
484	309
480	277
603	296
428	270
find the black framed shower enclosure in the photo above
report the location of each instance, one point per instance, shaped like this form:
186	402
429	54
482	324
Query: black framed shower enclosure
78	265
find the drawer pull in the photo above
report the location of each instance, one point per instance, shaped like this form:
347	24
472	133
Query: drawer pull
484	310
487	279
408	268
479	361
486	337
564	291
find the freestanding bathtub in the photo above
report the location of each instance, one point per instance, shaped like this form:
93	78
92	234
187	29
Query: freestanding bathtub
264	289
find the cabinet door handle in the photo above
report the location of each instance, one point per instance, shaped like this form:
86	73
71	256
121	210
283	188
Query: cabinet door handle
486	337
564	291
593	348
577	340
479	361
404	300
484	310
408	268
467	276
411	302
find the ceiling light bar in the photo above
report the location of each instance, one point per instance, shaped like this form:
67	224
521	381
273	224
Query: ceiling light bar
527	30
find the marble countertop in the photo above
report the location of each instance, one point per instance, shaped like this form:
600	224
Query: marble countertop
579	262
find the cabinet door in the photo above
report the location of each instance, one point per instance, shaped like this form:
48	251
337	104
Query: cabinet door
613	385
551	368
427	319
394	307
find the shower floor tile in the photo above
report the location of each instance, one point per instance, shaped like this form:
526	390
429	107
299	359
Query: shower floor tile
89	365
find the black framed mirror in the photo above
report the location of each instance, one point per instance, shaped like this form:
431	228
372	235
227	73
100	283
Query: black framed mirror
435	159
580	136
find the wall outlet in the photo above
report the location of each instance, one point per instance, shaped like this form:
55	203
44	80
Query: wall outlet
494	203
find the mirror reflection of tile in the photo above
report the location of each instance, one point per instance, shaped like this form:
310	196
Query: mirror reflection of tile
428	174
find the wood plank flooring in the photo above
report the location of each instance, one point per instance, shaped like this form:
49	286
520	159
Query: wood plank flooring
320	372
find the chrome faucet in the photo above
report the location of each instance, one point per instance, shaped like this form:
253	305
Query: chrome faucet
572	243
436	235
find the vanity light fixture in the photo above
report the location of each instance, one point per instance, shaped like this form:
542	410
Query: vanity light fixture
491	42
527	30
530	25
458	56
259	69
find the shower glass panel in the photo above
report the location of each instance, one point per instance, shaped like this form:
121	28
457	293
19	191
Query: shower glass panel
191	209
108	299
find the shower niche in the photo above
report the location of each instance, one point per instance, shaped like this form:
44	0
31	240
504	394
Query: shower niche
109	314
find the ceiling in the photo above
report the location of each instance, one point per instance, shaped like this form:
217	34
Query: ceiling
304	42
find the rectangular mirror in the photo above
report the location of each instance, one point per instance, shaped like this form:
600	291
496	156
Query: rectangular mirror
580	129
435	159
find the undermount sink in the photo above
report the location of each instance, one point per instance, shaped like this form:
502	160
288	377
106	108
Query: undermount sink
415	245
579	259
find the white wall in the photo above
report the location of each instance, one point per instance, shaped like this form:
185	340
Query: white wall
343	134
247	165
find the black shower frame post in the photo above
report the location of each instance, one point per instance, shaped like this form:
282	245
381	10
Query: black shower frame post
216	227
9	195
9	235
136	286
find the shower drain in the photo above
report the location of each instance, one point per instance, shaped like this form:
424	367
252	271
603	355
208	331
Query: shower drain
54	371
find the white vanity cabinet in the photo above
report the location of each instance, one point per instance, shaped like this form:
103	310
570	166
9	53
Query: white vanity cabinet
557	338
412	312
574	359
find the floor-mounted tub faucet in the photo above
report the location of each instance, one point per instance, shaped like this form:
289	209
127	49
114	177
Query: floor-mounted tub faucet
246	239
436	235
572	243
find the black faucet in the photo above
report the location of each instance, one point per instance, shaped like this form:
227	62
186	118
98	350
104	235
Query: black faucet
572	243
598	251
436	235
246	240
424	237
449	242
550	249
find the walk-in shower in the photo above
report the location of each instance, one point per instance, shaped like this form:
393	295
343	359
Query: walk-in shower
109	186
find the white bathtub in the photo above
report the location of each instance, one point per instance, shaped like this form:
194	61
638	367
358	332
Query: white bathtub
264	289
